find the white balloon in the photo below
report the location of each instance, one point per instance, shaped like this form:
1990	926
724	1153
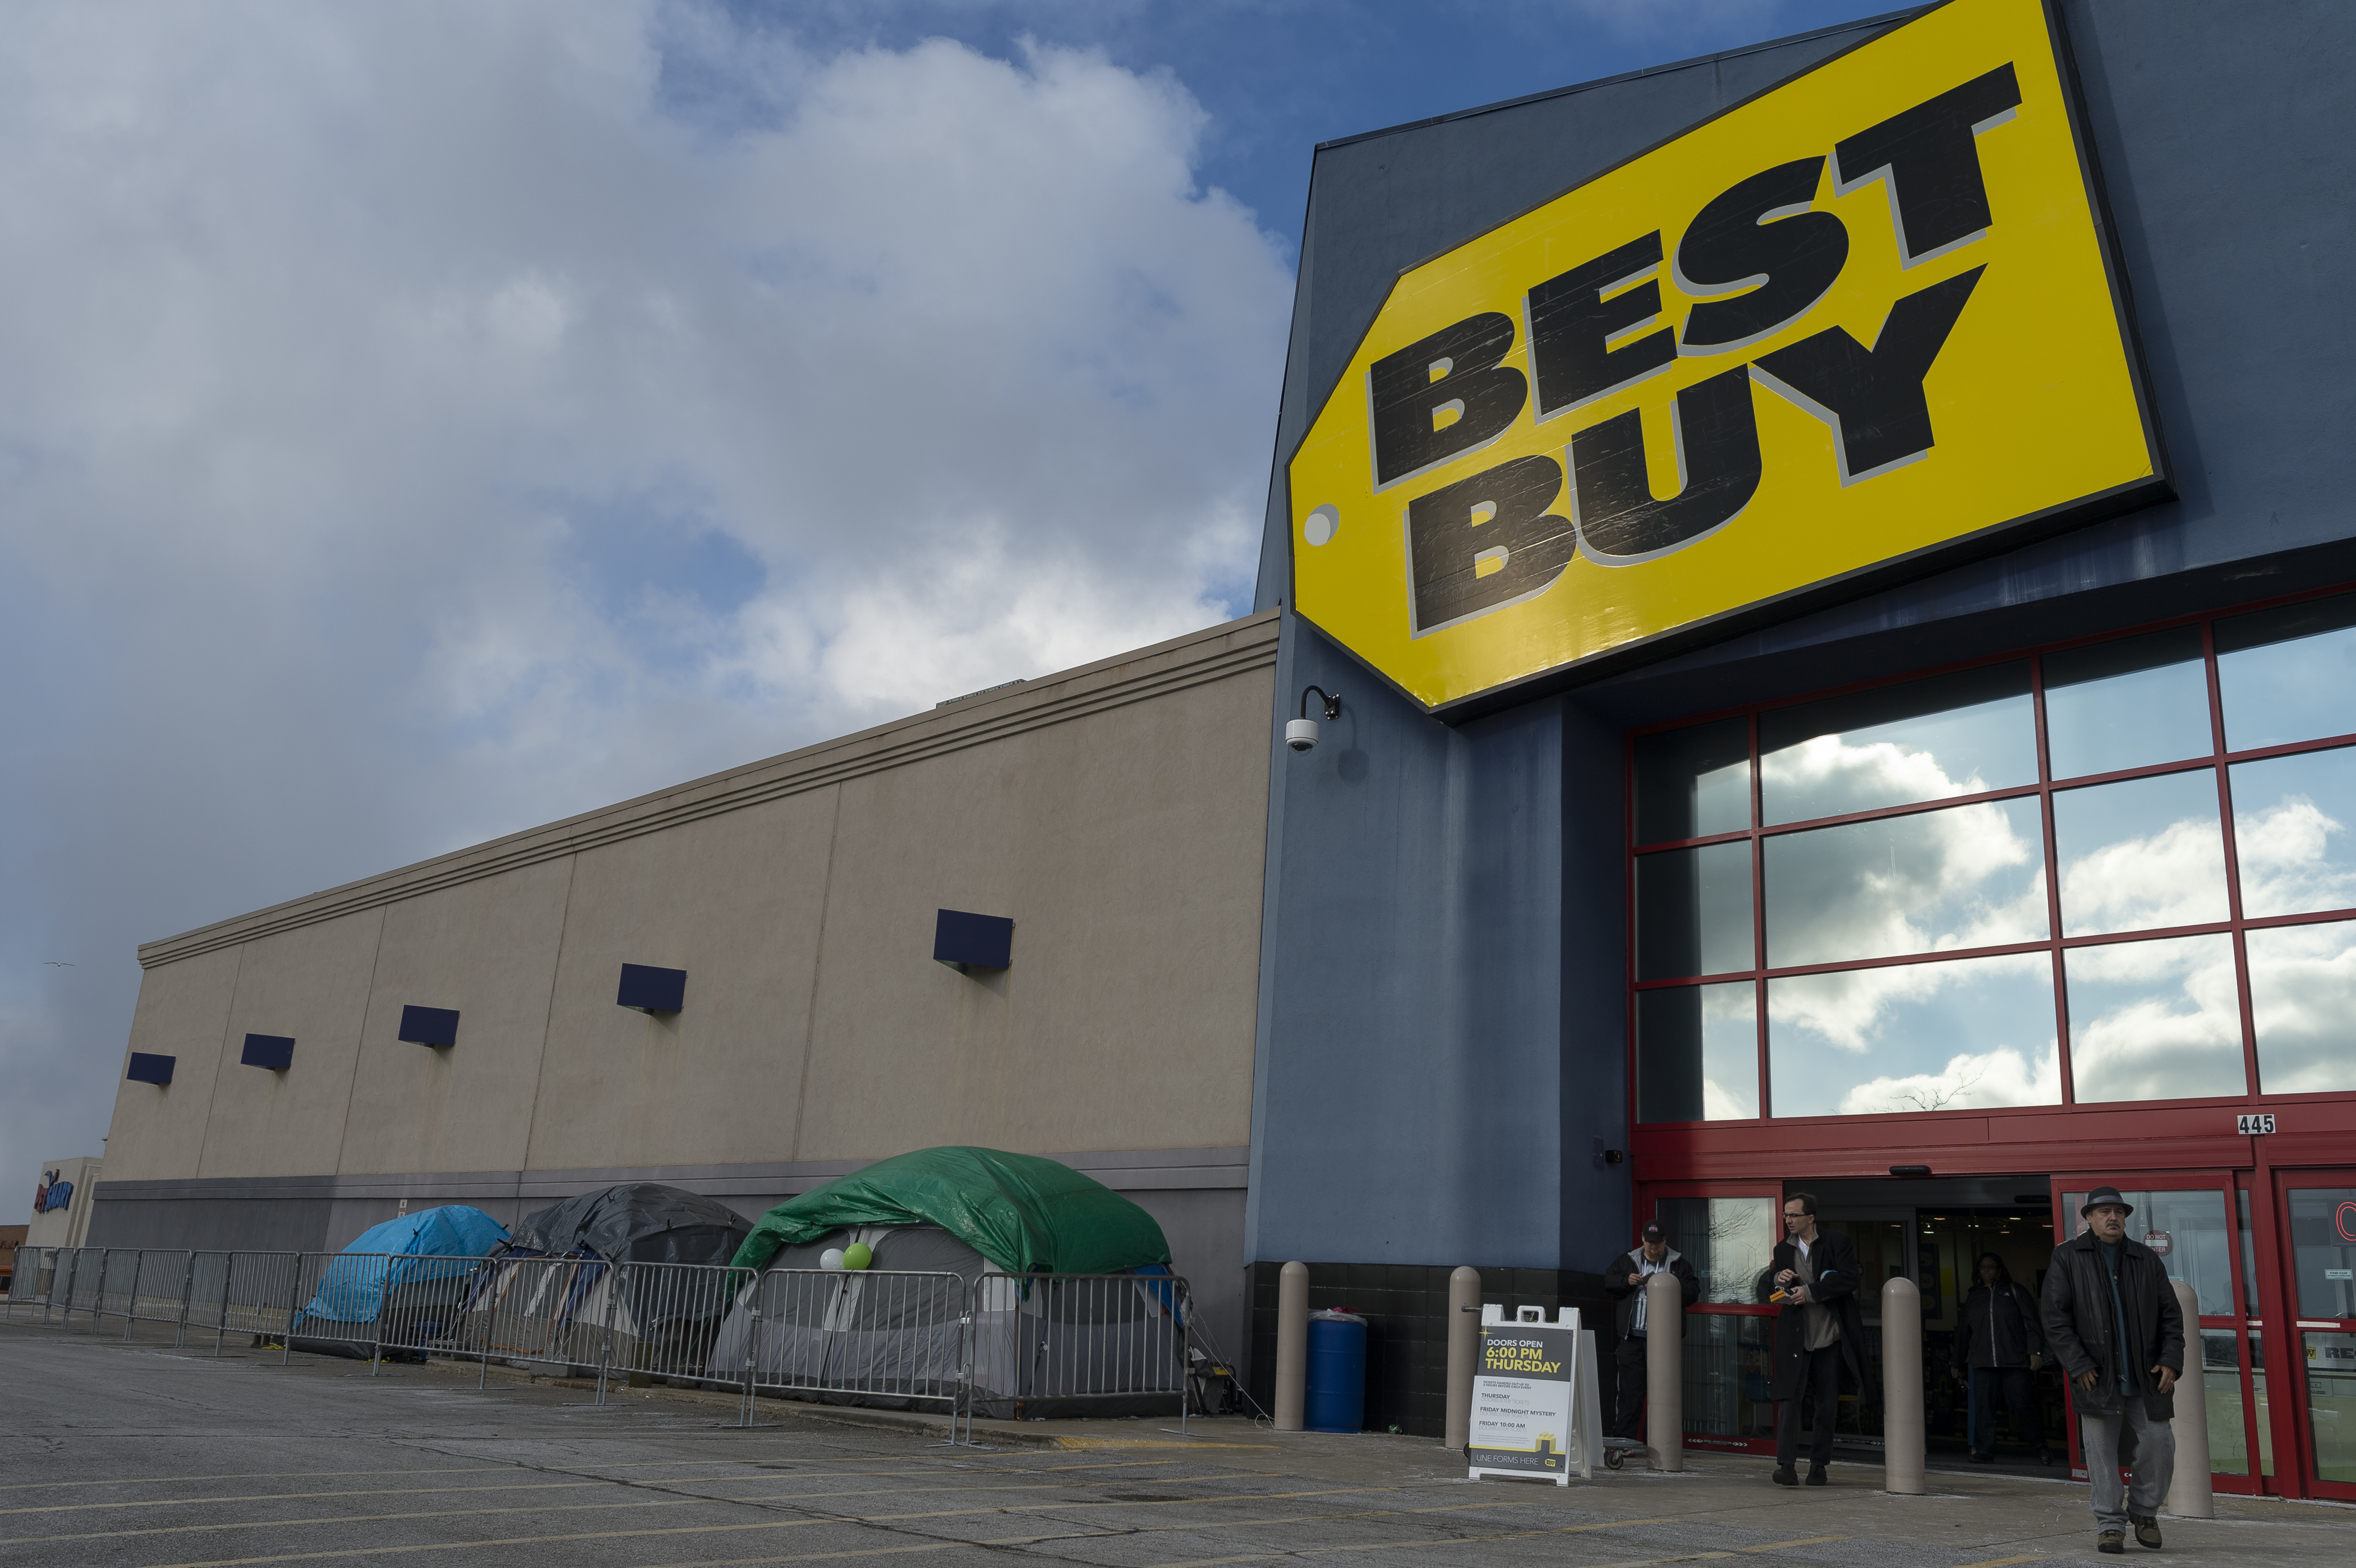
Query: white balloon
831	1259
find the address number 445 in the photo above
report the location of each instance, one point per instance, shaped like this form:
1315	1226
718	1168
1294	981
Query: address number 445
2253	1126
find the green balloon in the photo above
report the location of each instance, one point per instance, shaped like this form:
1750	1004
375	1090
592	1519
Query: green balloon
858	1255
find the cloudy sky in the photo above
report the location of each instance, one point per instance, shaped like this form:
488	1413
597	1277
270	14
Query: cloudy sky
421	422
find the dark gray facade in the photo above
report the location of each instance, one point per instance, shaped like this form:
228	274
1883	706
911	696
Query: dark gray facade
1442	1024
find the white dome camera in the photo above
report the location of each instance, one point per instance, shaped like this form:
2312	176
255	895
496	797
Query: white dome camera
1301	734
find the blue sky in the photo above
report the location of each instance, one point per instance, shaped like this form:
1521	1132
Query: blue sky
419	423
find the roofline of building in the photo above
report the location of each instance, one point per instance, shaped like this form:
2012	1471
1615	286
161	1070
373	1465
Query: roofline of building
1215	653
1887	19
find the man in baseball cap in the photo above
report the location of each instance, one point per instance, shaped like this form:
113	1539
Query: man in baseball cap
1624	1280
2112	1320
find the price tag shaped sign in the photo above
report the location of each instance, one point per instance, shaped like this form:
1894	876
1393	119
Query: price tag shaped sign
2255	1126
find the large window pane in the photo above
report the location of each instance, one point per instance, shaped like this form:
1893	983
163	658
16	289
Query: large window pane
1895	745
2323	1250
1727	1239
2303	1003
1697	1053
1969	877
1726	1375
2127	704
2140	854
2291	821
2187	1229
1693	912
2286	674
2221	1377
2155	1020
2331	1403
1918	1037
1691	783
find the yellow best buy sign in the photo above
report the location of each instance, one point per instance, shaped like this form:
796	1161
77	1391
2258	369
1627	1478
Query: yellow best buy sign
1866	314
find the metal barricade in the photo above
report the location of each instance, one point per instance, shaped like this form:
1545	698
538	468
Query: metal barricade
895	1339
535	1313
663	1321
1080	1345
35	1269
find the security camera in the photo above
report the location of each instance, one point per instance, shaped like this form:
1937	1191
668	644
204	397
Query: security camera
1301	734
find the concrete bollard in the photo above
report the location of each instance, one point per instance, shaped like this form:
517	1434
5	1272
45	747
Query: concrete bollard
1291	1345
1665	1371
2189	1494
1464	1354
1901	1389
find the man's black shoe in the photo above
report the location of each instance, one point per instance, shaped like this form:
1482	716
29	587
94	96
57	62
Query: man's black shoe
1784	1477
2112	1541
1817	1476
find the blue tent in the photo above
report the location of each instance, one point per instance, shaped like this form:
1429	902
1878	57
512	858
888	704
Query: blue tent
434	1244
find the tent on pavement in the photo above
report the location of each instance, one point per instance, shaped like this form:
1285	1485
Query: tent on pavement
401	1282
557	1291
945	1226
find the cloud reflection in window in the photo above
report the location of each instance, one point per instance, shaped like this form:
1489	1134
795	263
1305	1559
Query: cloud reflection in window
2140	855
1967	876
2303	1001
2153	1020
1922	1037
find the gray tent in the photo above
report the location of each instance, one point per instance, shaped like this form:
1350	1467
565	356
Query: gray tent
554	1294
1042	1347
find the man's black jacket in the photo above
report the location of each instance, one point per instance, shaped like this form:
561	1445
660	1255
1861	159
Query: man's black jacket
2081	1329
1616	1286
1834	1257
1997	1328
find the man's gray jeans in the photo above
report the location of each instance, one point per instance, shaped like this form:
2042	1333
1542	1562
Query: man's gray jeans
2155	1463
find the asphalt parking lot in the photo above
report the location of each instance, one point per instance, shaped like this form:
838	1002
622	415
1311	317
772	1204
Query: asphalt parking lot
138	1455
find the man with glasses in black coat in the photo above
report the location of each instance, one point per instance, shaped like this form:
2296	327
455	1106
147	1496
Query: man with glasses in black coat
1818	1334
2112	1321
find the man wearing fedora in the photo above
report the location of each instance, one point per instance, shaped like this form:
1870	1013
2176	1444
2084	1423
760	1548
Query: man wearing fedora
2112	1320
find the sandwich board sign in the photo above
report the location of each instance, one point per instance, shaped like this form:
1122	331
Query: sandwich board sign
1534	1410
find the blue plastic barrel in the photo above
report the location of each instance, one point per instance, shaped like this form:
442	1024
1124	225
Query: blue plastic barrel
1337	1398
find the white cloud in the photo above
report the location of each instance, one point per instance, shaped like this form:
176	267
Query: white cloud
414	427
2000	1076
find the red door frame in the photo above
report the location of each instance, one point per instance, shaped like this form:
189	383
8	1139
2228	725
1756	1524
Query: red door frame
1648	1207
2295	1457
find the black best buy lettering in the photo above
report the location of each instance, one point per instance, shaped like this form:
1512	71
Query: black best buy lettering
1755	258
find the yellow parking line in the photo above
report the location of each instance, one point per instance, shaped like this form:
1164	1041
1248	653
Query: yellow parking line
651	1503
1806	1540
2005	1562
289	1476
1154	1529
724	1529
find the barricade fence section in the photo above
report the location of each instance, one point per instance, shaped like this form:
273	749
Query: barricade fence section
1051	1346
1004	1346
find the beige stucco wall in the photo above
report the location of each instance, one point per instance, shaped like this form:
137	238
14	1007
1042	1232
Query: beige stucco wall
1117	812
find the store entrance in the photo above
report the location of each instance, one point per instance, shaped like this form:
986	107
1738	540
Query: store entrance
1935	1230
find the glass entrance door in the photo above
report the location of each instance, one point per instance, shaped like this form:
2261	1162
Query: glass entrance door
2320	1218
1729	1232
2196	1222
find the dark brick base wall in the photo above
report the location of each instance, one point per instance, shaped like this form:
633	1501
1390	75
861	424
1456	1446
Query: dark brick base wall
1406	1308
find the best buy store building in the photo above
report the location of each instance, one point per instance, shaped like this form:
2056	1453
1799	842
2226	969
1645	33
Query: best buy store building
1839	563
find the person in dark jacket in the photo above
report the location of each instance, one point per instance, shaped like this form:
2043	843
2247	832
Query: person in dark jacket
2112	1320
1624	1279
1997	1341
1819	1334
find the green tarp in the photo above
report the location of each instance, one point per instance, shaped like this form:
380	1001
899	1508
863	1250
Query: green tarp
1025	1214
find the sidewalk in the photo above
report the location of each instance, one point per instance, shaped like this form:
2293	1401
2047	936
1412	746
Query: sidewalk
1969	1519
